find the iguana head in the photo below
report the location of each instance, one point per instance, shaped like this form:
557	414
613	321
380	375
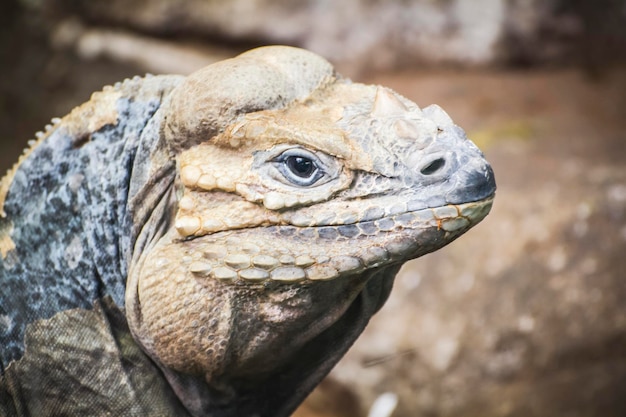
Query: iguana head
297	193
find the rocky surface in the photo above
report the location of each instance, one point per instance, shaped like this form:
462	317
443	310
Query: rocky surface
366	35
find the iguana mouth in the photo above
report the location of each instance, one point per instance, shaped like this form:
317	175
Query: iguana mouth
317	253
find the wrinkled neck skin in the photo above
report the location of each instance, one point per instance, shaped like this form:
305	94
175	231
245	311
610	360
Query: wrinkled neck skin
278	342
292	370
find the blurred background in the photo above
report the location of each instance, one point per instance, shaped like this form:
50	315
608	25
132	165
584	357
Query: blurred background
526	315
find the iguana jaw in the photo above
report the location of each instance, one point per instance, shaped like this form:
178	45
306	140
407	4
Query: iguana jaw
297	280
289	254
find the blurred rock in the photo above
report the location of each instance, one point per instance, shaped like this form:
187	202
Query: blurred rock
361	35
331	399
152	54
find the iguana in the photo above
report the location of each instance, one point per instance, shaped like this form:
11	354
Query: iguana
212	245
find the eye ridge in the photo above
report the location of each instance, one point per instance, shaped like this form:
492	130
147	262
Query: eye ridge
301	166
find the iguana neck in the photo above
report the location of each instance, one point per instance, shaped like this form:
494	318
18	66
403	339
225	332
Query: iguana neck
277	393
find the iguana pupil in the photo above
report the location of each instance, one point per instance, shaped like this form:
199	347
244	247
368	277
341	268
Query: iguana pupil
300	166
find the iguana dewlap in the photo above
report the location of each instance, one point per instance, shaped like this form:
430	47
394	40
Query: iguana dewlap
212	245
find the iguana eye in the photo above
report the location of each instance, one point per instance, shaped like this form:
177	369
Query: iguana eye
300	167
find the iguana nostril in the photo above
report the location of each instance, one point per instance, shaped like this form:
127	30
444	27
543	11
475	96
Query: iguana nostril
433	167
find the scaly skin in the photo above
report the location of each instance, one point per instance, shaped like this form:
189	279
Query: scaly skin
263	206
